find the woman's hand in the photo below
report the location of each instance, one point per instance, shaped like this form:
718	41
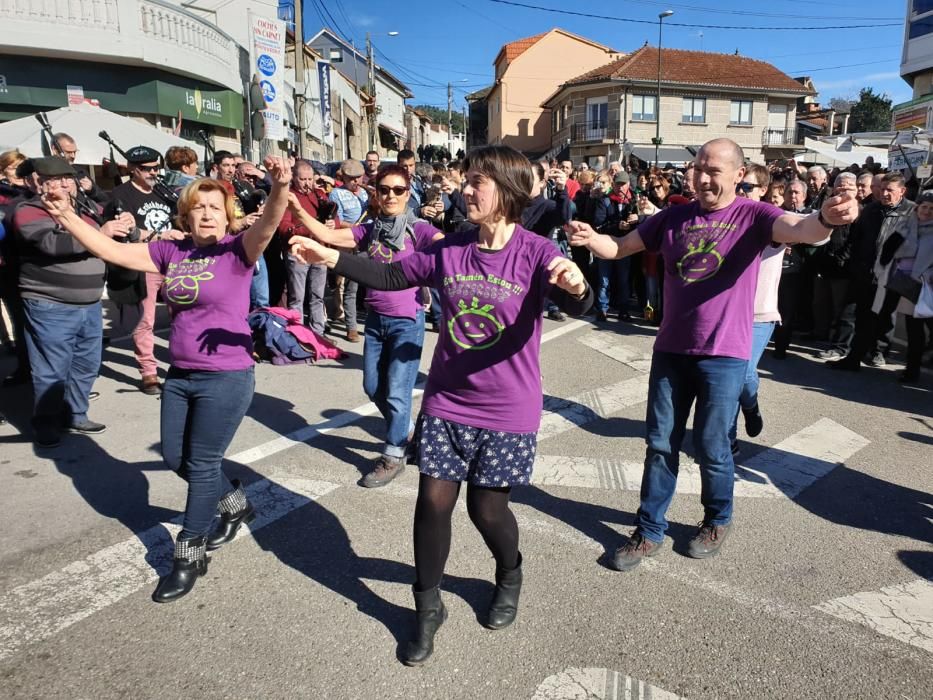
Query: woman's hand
293	202
311	252
579	232
57	203
566	275
279	169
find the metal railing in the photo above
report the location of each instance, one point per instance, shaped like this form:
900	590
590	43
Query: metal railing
779	137
598	131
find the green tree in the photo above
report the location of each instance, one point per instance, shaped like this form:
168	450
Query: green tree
871	113
439	116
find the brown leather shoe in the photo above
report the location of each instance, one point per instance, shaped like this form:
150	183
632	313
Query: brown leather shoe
386	470
150	385
708	540
353	336
636	548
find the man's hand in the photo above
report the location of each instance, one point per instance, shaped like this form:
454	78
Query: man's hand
279	169
85	184
250	219
331	224
840	209
566	275
579	233
119	227
559	177
428	211
310	251
293	202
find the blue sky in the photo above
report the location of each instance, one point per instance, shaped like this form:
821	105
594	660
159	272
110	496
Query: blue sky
456	41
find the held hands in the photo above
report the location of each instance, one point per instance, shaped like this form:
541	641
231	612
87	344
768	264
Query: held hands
566	275
279	169
119	227
57	203
840	209
579	233
310	251
293	202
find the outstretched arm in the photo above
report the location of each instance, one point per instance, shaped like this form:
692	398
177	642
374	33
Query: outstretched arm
338	237
257	236
839	210
133	256
603	245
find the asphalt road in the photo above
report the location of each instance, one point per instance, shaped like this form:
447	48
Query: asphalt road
822	591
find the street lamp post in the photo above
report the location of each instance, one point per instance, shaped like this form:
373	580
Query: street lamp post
371	65
657	121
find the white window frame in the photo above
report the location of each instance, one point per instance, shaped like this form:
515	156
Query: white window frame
692	117
735	112
639	114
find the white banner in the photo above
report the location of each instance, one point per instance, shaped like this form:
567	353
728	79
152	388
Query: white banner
267	53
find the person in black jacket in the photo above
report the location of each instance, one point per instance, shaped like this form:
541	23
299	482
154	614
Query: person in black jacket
615	213
547	217
833	305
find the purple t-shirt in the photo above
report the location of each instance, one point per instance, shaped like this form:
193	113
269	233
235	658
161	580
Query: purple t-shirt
404	303
207	292
711	264
485	372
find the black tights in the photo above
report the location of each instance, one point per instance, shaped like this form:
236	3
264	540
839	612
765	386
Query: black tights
489	511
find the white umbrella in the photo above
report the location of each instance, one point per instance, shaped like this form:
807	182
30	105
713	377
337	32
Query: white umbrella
83	123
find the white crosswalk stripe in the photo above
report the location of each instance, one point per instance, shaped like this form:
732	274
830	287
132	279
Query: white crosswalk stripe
561	415
784	470
39	609
598	684
610	344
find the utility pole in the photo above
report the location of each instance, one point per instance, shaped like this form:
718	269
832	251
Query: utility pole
300	77
450	105
372	92
464	129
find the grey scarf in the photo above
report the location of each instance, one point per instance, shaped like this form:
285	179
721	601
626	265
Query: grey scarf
391	229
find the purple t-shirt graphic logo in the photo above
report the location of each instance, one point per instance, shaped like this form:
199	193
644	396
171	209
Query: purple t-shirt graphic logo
474	327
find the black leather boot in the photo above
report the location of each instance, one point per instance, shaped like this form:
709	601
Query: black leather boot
504	605
235	510
190	562
431	614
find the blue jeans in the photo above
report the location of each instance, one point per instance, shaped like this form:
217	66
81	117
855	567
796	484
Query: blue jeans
391	357
259	285
675	382
64	346
201	412
761	334
614	274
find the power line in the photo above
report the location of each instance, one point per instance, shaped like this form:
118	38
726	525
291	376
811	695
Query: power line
751	13
691	26
848	65
819	53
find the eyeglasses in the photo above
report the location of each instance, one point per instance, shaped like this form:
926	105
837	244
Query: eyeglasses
656	186
746	187
148	168
398	191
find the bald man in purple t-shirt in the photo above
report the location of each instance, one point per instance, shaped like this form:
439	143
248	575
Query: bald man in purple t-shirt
711	249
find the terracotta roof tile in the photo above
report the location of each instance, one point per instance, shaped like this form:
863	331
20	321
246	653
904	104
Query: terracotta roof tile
515	49
696	68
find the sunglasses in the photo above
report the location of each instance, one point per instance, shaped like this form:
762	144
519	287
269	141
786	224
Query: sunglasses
147	168
398	191
746	187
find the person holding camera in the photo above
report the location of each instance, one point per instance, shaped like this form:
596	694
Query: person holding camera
482	404
61	284
152	212
210	384
546	216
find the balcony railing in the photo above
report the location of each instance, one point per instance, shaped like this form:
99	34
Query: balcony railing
599	132
135	32
779	137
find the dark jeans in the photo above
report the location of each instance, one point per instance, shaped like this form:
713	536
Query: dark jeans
391	357
834	310
873	331
613	276
201	412
64	344
916	339
789	291
675	382
761	334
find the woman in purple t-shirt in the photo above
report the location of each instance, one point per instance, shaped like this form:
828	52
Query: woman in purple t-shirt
483	400
210	382
395	323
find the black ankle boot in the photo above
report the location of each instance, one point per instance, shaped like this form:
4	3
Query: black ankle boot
190	562
504	605
235	510
431	614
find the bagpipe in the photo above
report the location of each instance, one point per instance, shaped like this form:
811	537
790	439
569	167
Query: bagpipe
50	147
162	190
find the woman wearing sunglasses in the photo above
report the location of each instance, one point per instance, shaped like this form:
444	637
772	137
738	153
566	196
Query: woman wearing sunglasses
483	400
394	331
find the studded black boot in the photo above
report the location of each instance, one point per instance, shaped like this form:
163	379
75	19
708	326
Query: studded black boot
235	510
504	605
431	614
190	562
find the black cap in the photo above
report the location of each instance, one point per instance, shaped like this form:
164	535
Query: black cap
143	154
52	166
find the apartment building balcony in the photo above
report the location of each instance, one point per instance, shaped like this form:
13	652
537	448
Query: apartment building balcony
152	33
779	137
594	132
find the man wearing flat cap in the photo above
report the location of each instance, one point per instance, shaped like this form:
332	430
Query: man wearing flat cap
352	201
61	286
153	215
